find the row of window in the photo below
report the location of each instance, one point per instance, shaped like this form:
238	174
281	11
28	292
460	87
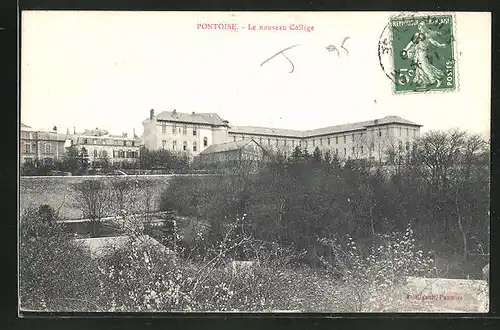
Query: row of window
179	130
321	140
117	154
31	148
109	142
185	145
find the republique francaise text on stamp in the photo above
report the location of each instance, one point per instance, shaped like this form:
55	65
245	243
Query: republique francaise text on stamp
423	56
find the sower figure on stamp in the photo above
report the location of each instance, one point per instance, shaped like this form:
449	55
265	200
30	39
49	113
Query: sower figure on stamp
417	51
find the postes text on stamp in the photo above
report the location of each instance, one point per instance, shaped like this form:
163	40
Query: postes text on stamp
423	53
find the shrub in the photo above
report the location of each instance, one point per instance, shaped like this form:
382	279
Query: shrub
373	281
55	273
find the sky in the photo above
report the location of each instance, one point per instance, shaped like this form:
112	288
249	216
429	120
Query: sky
108	69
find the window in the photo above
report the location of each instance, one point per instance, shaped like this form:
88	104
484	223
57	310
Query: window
260	140
305	144
85	141
400	131
174	145
336	140
174	129
124	143
400	145
184	130
184	146
328	141
27	148
95	141
164	128
361	136
194	131
407	146
234	138
345	151
163	143
95	153
276	142
243	137
314	143
320	142
345	139
121	154
293	143
353	137
194	146
379	132
205	141
114	154
103	141
129	154
361	149
353	150
336	151
407	134
30	136
133	143
284	142
269	141
29	160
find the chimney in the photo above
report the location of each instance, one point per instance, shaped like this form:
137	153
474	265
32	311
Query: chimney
74	130
151	114
174	113
133	131
54	128
192	113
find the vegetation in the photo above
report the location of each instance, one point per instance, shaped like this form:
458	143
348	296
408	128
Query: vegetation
306	233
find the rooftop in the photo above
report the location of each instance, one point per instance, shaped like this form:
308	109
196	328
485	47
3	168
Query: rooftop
228	146
100	245
321	131
194	118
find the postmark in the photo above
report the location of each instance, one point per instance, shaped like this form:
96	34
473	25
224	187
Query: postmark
417	52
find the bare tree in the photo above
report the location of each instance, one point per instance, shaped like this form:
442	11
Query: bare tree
92	198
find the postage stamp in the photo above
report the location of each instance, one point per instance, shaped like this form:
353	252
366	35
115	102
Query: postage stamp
423	53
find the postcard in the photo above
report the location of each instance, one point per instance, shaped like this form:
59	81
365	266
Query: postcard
328	162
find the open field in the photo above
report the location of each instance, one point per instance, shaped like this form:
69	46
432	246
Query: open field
56	191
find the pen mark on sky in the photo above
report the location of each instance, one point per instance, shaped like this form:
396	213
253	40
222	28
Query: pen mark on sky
282	53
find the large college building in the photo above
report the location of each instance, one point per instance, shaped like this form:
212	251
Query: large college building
194	132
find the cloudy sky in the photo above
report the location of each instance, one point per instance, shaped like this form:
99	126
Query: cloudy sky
108	69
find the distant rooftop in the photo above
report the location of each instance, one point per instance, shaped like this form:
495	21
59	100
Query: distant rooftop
228	146
99	245
321	131
194	118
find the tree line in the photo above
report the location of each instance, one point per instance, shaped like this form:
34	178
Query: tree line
440	187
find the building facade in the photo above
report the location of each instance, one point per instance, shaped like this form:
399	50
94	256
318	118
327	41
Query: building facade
235	151
100	145
177	131
361	140
41	145
193	133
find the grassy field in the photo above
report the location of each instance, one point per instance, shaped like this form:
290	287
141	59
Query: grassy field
57	192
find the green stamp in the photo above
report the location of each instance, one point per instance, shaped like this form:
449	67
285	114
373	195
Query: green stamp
423	53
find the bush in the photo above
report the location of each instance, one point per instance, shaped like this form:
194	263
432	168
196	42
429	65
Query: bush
373	281
55	273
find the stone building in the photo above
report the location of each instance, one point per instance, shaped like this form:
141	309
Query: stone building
193	133
177	131
100	144
41	145
233	152
361	140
